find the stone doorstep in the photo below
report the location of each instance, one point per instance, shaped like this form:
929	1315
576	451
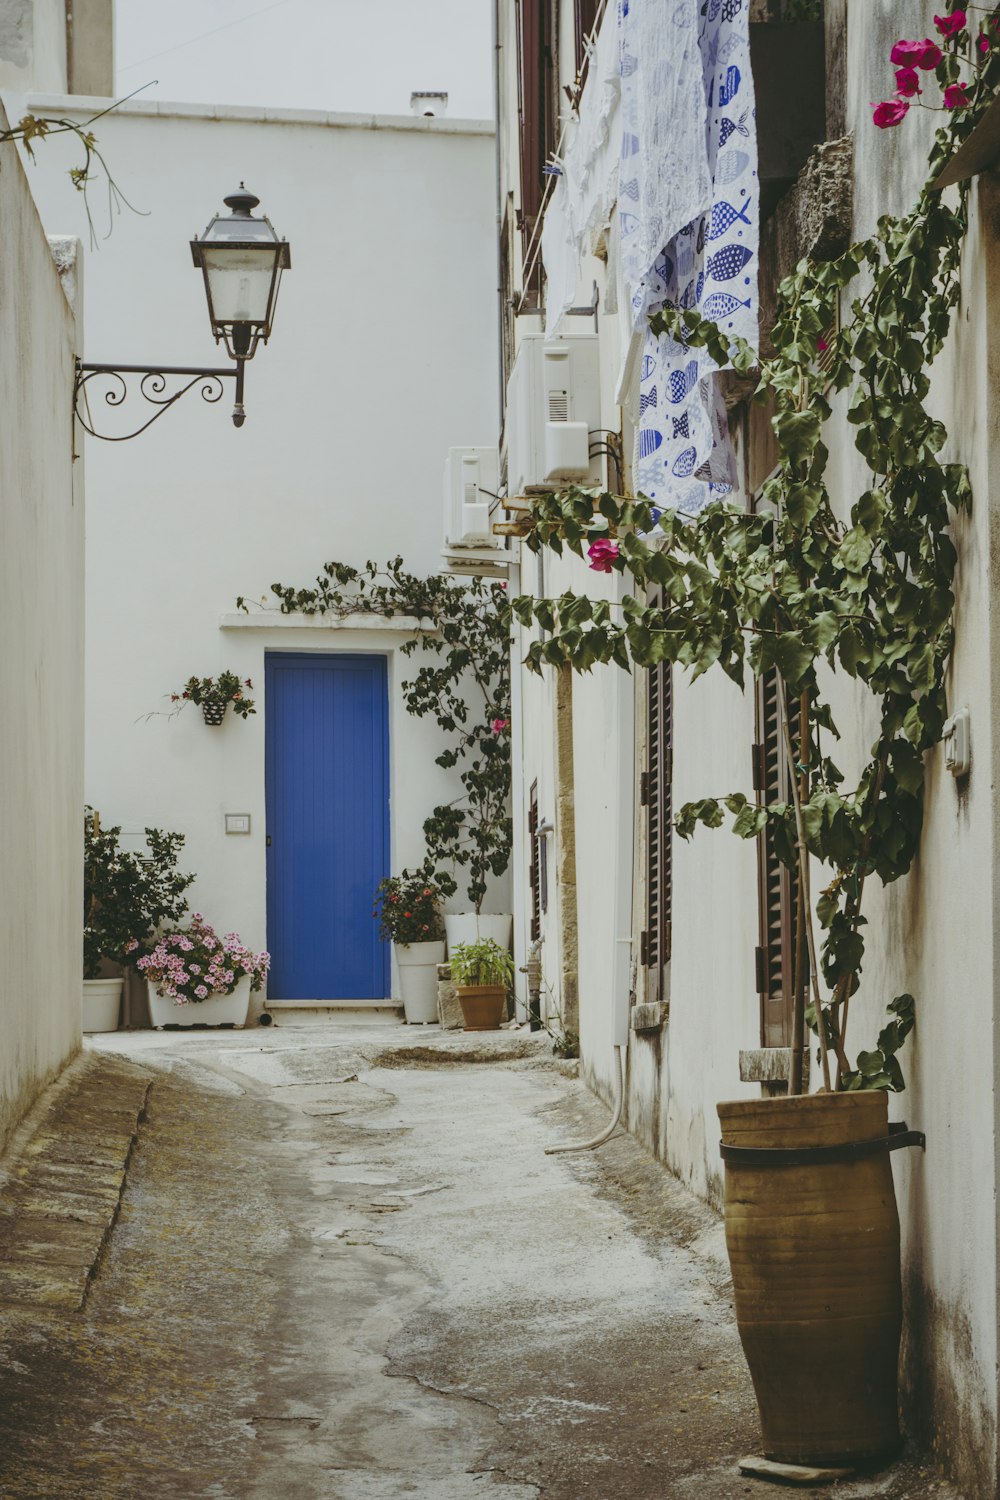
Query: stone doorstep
756	1467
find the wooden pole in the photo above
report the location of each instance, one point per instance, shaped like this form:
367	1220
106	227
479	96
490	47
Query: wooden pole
803	857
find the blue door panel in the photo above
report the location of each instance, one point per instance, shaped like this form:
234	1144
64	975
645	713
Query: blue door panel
327	791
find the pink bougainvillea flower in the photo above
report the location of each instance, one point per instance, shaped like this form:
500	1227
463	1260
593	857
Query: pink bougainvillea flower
602	554
953	24
889	113
822	345
499	725
908	82
984	42
925	54
954	96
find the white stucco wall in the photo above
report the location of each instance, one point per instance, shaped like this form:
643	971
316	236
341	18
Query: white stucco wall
41	656
33	45
383	356
933	934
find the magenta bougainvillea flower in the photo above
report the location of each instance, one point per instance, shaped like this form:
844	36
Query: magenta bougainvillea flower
908	82
954	96
602	554
925	54
499	725
889	113
984	42
953	24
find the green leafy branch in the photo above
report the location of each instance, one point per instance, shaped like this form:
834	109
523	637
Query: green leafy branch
791	587
33	128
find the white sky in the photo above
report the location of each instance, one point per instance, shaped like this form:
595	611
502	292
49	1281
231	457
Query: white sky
338	55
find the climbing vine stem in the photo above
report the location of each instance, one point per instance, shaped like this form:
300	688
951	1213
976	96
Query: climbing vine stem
794	589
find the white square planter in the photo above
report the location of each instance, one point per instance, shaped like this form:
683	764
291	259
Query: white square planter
217	1010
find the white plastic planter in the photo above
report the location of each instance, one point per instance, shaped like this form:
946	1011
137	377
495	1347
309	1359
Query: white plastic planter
217	1010
102	999
466	927
418	965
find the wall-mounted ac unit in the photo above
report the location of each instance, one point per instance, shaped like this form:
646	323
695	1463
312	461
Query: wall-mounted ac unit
553	407
471	480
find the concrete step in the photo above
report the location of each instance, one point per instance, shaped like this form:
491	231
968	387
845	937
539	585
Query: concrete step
349	1012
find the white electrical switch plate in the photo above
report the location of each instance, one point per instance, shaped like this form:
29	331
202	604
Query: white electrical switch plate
237	822
958	743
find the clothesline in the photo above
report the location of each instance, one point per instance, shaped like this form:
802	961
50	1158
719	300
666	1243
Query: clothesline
534	247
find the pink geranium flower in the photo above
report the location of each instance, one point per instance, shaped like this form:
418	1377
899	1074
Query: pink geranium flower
889	113
602	554
953	24
954	96
925	54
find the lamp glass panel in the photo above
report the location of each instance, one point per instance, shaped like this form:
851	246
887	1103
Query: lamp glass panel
240	282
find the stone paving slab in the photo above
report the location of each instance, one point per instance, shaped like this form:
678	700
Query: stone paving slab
61	1183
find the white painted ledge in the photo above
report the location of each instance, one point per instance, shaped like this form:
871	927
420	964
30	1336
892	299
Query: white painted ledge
273	619
75	104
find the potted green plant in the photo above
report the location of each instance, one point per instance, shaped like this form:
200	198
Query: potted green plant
408	908
126	896
482	973
193	966
213	696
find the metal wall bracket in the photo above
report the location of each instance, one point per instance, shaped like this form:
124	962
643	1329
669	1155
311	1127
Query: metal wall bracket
808	1156
157	386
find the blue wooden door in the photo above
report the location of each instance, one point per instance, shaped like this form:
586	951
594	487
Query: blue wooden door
327	790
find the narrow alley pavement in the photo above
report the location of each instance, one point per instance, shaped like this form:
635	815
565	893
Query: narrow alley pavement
342	1268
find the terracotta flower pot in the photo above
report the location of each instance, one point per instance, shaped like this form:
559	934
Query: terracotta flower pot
484	1006
814	1250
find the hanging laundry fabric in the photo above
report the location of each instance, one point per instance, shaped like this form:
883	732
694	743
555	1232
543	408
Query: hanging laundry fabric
559	257
585	192
708	261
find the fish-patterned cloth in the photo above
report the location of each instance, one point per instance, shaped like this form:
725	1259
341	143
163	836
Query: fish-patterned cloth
707	262
663	177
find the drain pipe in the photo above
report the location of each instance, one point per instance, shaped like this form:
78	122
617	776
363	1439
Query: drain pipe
621	978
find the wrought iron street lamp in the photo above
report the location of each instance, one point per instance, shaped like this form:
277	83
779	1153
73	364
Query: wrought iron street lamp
241	259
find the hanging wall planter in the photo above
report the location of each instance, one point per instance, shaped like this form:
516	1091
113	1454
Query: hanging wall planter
213	696
813	1240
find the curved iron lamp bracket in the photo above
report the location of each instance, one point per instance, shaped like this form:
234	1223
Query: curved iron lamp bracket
157	387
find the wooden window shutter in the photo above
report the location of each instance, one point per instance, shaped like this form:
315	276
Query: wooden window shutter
657	798
586	14
777	886
534	867
531	80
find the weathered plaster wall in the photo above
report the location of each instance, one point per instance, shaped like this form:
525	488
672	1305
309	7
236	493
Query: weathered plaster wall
934	933
41	655
32	45
383	355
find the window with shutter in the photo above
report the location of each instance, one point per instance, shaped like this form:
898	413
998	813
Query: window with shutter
537	111
657	799
534	866
777	885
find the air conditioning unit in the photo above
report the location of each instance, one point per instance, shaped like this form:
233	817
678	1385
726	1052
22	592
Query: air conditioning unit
553	407
471	480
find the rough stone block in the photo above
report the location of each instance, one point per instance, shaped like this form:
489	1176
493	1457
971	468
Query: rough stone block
449	1006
